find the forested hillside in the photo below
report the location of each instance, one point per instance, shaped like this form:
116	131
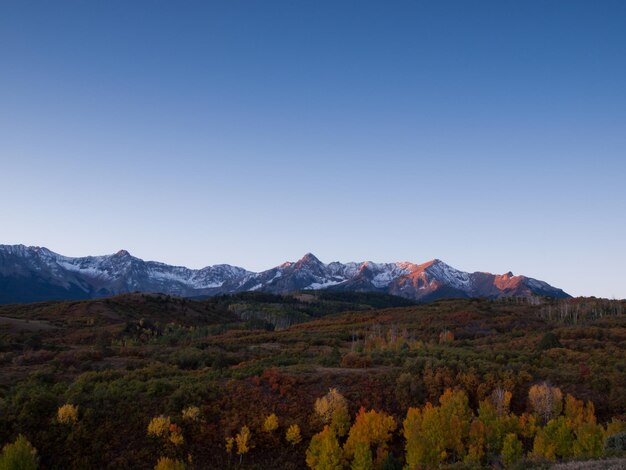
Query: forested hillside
324	380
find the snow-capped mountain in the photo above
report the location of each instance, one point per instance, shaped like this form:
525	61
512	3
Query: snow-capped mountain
30	274
422	282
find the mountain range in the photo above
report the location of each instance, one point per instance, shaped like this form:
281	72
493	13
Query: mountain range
31	274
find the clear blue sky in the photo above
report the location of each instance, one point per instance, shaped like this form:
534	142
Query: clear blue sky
490	134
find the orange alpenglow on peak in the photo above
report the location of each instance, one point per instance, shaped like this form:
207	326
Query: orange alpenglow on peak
38	274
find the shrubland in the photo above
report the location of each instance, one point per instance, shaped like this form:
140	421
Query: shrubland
325	380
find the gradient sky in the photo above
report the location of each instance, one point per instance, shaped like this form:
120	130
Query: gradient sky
489	134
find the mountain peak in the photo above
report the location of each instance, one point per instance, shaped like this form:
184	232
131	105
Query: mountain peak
309	258
122	254
434	262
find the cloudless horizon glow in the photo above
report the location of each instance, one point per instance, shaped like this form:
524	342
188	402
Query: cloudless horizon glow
488	134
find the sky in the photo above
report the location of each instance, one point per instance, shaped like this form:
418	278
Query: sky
488	134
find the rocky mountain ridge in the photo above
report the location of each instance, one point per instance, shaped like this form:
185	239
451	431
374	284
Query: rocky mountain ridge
29	274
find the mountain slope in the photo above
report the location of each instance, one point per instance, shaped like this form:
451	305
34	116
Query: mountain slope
424	282
29	274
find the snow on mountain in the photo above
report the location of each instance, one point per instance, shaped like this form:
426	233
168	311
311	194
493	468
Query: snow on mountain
34	273
448	275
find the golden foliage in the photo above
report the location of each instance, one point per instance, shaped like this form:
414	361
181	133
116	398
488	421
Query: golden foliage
176	435
372	428
545	401
543	448
67	414
433	433
324	452
326	406
293	435
411	432
495	427
230	444
165	463
159	426
162	427
528	425
340	421
455	416
589	441
271	423
615	426
424	437
554	440
191	413
243	441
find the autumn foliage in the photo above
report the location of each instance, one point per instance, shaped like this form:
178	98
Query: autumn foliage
293	435
67	414
240	395
324	452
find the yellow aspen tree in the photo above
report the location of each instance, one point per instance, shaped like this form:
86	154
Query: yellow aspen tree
543	448
67	414
159	426
561	432
432	436
589	441
340	421
326	406
372	427
488	416
271	423
456	417
574	410
590	412
324	452
424	440
497	421
293	435
165	463
242	439
545	401
411	432
554	440
512	450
